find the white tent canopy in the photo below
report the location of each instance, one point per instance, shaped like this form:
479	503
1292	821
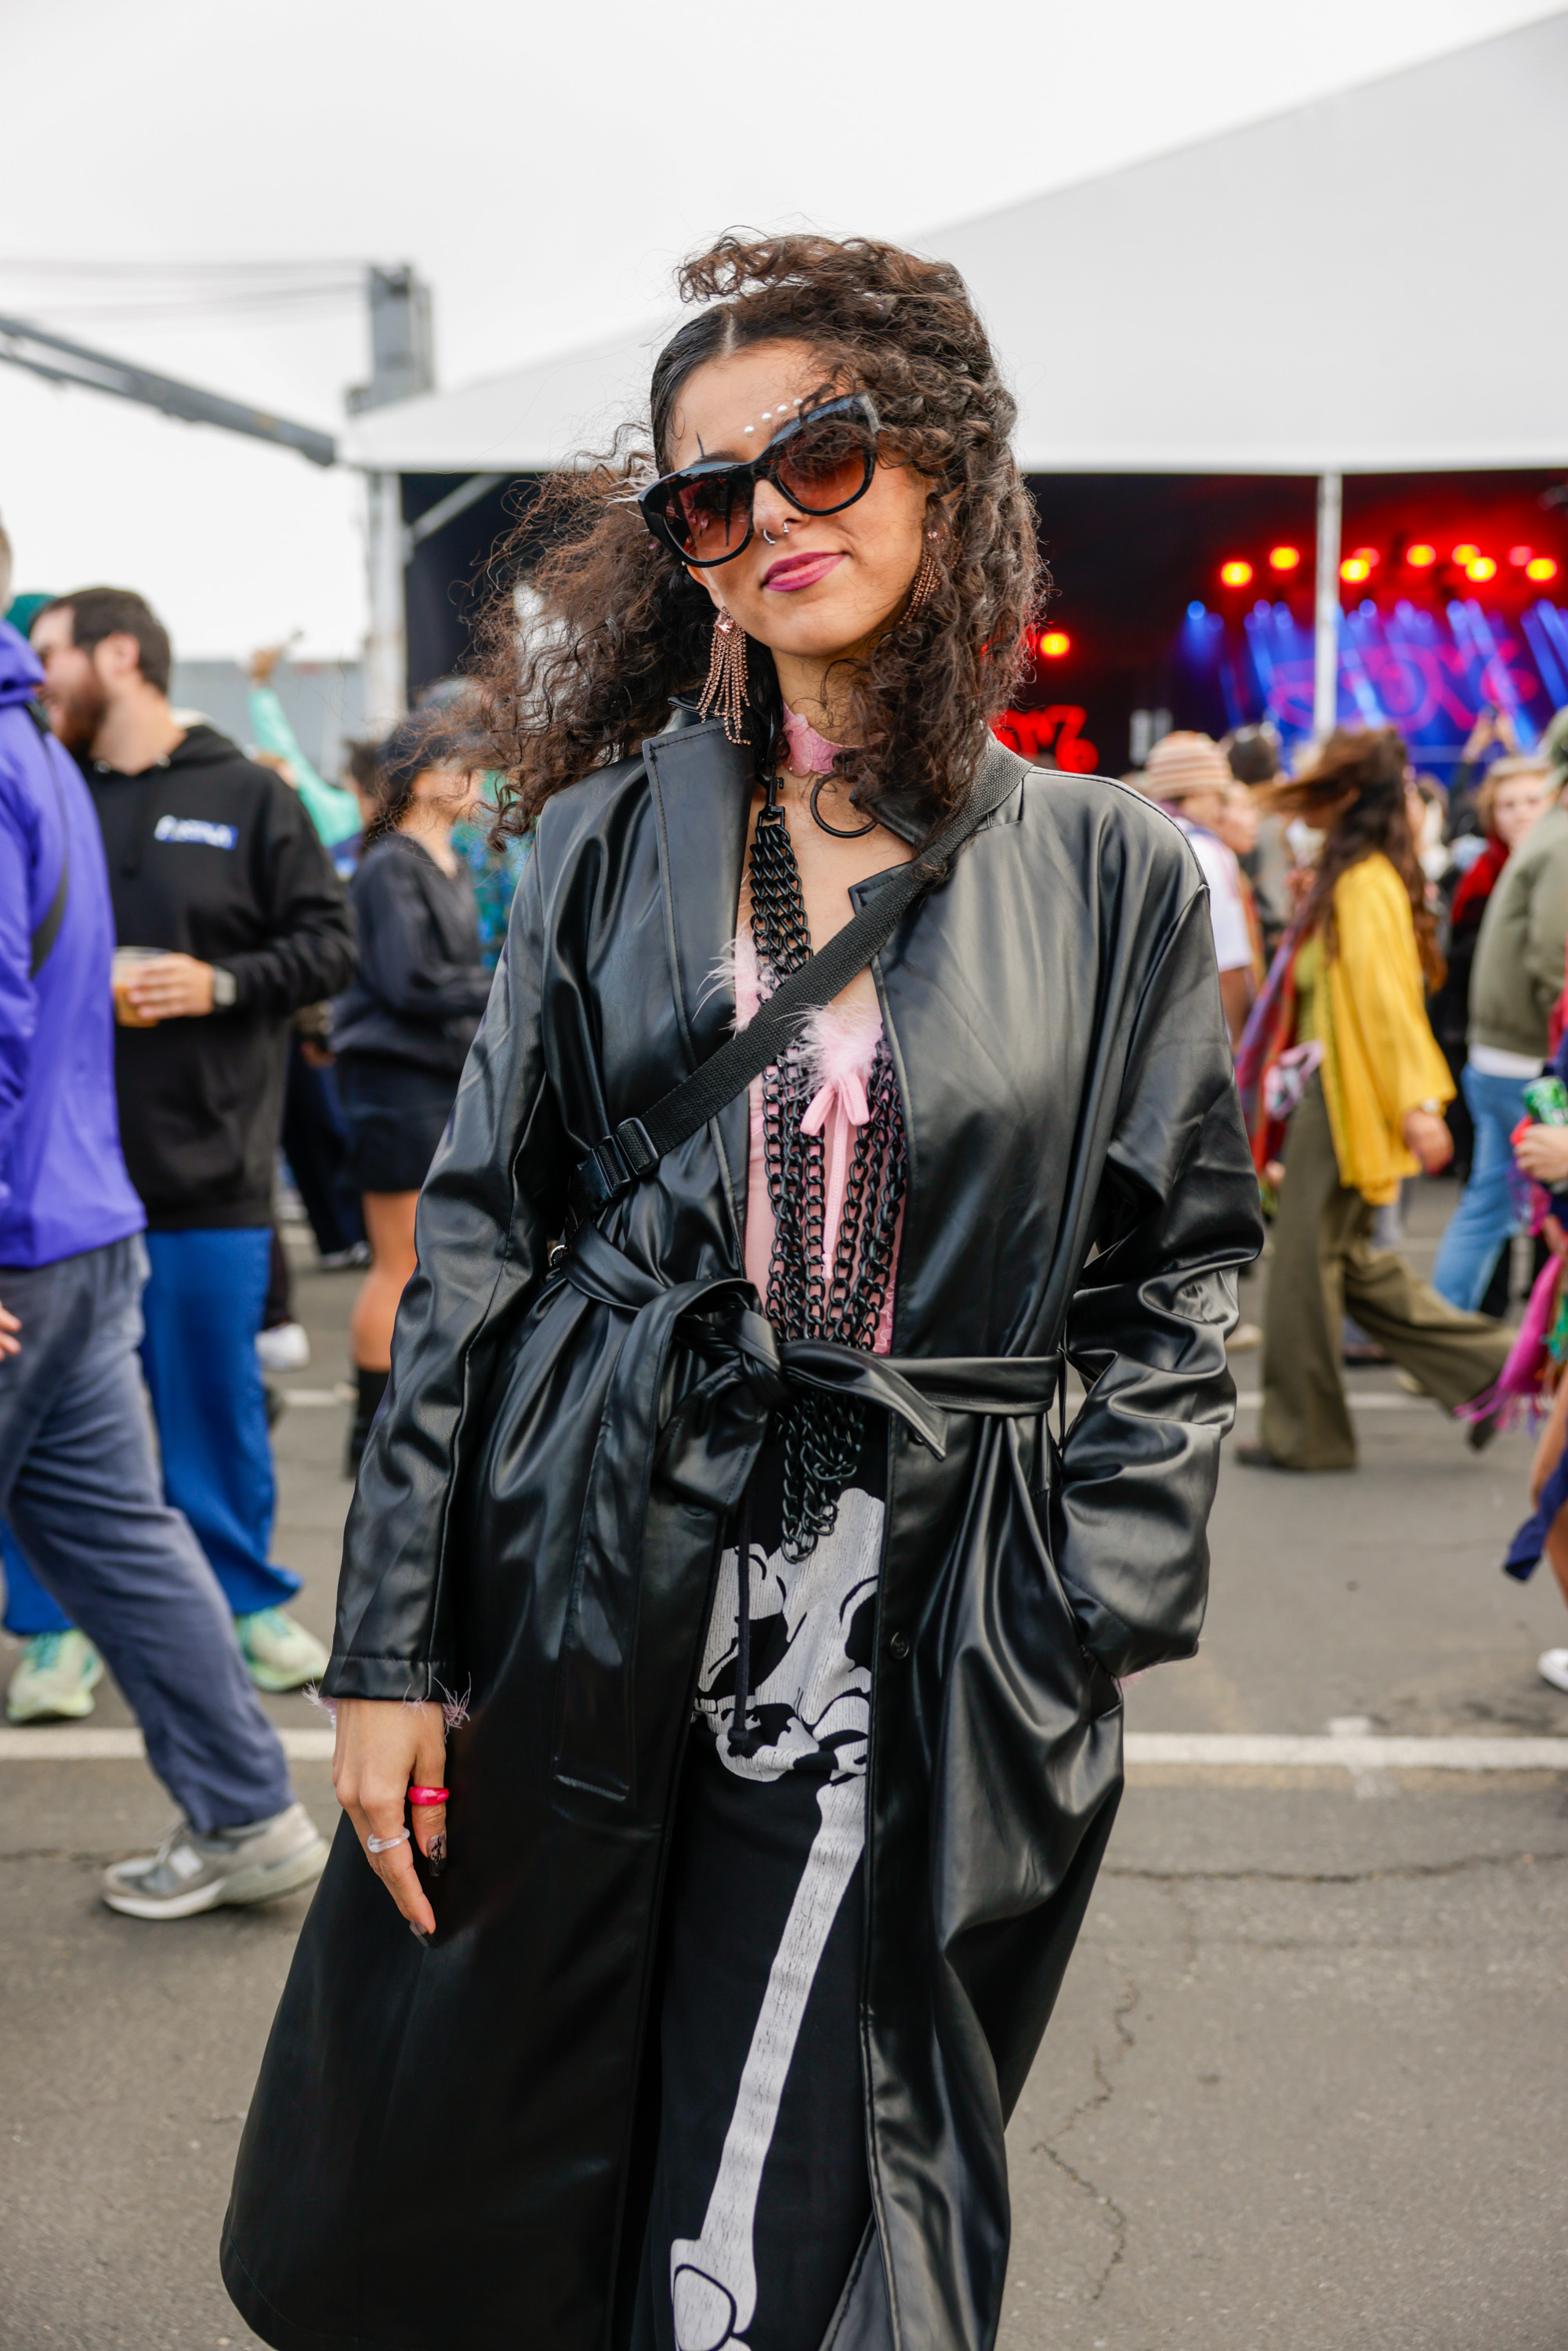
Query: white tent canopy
1370	283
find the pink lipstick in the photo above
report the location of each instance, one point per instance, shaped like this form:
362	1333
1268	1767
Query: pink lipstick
793	572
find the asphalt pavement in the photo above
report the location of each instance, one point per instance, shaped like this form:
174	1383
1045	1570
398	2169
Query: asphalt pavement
1302	2091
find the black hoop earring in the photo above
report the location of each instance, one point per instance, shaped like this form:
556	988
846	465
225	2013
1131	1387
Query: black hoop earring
839	832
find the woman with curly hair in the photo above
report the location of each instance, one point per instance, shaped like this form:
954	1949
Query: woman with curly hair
712	1570
1339	1046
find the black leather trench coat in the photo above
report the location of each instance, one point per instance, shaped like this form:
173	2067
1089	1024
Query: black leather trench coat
444	2147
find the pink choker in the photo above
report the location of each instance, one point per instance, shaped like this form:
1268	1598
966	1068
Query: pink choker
811	753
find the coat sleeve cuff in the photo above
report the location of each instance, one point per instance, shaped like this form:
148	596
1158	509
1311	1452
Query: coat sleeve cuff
1120	1649
411	1679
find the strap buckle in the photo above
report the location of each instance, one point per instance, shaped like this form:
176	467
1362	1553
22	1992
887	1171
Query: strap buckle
608	1172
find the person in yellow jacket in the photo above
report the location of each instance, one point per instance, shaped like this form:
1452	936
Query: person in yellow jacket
1358	1071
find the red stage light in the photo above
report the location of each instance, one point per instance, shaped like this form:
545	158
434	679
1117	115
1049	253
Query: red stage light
1520	556
1541	567
1466	551
1368	555
1480	568
1284	558
1421	556
1356	569
1236	573
1055	643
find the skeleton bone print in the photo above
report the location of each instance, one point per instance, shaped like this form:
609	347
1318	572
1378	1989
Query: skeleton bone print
813	1628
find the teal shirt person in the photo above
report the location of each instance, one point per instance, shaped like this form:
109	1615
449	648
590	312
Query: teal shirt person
334	813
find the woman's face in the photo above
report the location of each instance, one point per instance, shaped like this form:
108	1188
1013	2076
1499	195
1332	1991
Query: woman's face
447	794
829	584
1518	802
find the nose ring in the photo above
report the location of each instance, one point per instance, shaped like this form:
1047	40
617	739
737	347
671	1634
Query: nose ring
767	535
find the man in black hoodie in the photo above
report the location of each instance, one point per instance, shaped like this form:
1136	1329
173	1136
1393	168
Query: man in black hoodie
214	868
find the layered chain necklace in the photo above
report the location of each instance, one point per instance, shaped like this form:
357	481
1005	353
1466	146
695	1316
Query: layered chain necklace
820	1433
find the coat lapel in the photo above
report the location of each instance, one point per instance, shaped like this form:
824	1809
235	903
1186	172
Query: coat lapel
701	788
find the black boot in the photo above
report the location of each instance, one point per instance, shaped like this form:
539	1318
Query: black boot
372	1387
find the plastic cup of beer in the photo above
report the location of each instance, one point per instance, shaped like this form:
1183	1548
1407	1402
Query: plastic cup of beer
123	970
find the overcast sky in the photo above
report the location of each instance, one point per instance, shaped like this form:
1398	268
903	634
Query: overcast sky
543	167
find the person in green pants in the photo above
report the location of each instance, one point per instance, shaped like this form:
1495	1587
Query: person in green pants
1345	1038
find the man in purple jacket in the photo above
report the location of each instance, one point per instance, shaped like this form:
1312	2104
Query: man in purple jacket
77	1479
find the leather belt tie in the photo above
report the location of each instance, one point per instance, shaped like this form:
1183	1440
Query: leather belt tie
699	1371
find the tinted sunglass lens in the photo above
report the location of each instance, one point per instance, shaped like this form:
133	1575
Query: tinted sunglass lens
827	463
710	516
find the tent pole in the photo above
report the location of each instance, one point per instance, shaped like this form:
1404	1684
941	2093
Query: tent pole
1325	637
386	656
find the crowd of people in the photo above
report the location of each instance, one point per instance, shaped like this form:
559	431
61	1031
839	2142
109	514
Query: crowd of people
1414	999
192	936
308	975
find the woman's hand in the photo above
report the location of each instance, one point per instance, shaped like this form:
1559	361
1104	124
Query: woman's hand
1543	1153
382	1747
1427	1136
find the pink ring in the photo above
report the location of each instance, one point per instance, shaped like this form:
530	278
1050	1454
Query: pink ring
427	1795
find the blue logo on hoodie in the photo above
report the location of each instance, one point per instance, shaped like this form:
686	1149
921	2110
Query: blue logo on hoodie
193	827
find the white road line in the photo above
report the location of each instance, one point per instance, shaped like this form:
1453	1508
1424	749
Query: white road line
1241	1750
1248	1400
1235	1750
66	1742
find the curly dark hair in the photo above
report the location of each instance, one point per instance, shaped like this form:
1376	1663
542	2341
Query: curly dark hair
622	627
1353	792
425	739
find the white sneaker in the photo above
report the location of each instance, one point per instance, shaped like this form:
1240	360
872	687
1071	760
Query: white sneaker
56	1676
280	1653
257	1861
1551	1665
283	1348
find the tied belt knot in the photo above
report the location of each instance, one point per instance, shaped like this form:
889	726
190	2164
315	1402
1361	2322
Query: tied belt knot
698	1373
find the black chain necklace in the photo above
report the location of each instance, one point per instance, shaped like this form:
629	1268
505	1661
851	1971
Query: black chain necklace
822	1434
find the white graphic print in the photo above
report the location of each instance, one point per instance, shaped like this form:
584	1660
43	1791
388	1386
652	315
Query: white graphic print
814	1701
817	1697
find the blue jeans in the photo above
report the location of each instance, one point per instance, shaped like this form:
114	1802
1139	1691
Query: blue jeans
202	1306
79	1483
1487	1215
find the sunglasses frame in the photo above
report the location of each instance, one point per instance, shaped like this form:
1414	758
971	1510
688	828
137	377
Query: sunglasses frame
746	472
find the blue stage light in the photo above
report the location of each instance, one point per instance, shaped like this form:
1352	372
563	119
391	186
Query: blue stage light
1196	610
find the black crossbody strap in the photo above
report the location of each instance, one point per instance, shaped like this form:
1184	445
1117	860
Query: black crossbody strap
637	1144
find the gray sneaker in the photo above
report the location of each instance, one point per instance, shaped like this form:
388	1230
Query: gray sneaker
254	1863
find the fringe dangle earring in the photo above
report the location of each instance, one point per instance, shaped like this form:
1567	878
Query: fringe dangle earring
725	685
927	580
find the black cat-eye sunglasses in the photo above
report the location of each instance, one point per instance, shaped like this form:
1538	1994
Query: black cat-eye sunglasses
821	462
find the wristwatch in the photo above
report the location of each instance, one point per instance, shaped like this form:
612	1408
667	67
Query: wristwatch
225	990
